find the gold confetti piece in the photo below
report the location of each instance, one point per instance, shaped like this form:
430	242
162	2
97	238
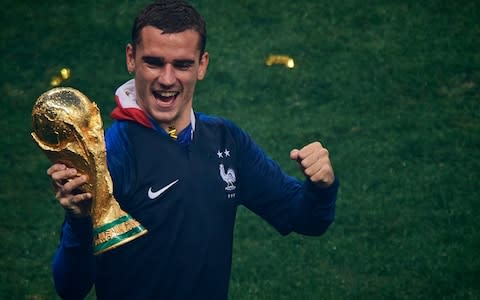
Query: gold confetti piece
280	60
56	80
65	72
62	75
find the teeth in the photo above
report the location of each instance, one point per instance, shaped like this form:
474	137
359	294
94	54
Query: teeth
165	94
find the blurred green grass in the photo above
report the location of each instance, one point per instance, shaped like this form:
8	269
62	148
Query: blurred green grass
390	87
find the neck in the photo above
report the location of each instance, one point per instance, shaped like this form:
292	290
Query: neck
179	125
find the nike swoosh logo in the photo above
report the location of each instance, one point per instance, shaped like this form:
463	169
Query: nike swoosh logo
152	195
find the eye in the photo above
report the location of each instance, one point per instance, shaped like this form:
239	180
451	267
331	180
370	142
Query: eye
183	65
155	65
153	62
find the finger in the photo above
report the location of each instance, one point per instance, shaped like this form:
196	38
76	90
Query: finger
319	156
309	149
324	177
70	201
65	174
312	169
64	201
80	199
294	154
62	177
55	168
73	184
78	205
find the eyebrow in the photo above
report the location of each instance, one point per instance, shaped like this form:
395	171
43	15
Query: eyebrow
153	60
160	61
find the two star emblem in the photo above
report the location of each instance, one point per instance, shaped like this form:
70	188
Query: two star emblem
222	154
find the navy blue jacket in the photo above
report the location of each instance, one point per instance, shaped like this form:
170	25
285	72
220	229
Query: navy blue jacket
187	252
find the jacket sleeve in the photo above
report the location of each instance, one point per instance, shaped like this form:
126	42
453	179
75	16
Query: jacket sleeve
283	201
315	210
74	262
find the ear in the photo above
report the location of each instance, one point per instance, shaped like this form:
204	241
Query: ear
203	65
130	57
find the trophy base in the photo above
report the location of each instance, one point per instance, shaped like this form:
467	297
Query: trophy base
116	233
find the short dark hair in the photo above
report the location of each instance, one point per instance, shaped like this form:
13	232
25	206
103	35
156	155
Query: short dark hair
170	16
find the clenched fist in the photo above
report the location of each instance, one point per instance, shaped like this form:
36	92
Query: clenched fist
315	164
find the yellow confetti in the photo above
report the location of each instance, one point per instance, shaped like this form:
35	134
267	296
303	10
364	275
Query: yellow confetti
62	75
280	60
56	80
65	72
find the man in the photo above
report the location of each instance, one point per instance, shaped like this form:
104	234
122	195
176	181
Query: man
209	168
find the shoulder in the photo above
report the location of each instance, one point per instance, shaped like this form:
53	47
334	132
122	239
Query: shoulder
226	132
216	123
124	133
116	135
212	120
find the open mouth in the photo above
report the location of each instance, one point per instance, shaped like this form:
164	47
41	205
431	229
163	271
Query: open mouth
165	96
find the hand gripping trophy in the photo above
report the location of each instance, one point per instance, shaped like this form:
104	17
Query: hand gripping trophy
68	128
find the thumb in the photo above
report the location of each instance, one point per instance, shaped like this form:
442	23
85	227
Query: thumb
294	154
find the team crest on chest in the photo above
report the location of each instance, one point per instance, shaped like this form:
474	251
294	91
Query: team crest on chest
227	174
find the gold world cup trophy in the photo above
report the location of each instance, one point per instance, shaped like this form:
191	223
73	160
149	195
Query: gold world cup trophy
68	128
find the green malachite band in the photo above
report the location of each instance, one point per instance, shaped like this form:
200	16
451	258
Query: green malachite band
112	224
117	239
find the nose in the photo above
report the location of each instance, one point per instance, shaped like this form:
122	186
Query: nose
167	76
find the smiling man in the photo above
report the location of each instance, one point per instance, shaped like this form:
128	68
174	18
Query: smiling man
167	67
182	175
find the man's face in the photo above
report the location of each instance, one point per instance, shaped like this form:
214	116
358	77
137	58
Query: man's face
167	67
